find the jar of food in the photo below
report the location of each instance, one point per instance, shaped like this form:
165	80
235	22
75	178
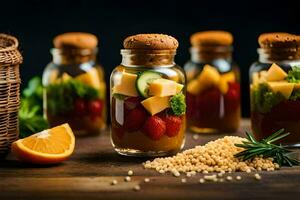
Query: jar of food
213	89
74	85
148	98
275	87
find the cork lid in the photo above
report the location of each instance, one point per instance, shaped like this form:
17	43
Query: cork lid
77	40
214	37
150	42
278	39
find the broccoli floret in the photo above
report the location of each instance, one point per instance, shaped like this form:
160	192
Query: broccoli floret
263	99
294	75
177	103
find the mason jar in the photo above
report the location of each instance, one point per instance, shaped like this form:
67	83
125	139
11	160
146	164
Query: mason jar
148	98
74	85
274	87
213	84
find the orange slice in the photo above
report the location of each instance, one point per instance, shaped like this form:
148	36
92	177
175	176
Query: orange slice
47	147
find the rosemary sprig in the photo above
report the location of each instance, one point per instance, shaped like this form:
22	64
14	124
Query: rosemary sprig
267	149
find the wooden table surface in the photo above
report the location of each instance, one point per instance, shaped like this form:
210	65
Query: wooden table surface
94	165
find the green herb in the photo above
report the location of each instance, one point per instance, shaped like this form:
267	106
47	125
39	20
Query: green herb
263	99
31	109
61	96
294	75
295	95
30	120
177	103
267	149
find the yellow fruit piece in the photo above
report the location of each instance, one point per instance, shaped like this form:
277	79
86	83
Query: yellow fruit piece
126	85
229	77
156	104
224	80
65	77
163	87
275	73
223	86
284	88
91	78
297	86
194	87
47	147
209	76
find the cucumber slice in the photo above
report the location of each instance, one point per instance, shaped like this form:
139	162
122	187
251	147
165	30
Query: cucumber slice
143	80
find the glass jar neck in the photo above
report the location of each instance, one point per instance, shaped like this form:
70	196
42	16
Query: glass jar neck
73	56
147	58
270	55
200	54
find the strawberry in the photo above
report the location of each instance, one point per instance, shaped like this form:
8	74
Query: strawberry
95	107
80	107
135	119
154	127
173	125
232	97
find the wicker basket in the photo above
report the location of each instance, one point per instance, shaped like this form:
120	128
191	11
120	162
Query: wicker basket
10	58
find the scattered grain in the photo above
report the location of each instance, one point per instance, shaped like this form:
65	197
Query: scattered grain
210	177
127	178
146	180
130	173
257	176
201	180
195	136
238	178
137	188
114	182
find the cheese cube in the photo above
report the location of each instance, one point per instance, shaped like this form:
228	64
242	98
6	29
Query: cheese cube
297	86
127	85
284	88
275	73
209	76
163	87
229	77
223	86
224	80
156	104
194	87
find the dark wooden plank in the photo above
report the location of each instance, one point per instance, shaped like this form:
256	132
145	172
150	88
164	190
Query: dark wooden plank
94	165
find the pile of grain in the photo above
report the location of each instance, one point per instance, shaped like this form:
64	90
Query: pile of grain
215	156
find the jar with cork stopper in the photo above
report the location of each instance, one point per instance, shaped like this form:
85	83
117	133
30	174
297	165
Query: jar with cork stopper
74	85
213	89
148	98
275	87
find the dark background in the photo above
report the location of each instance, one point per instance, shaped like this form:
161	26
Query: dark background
36	22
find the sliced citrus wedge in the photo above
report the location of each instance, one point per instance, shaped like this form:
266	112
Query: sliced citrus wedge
47	147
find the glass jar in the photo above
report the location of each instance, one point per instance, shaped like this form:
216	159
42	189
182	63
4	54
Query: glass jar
74	85
213	89
148	99
274	87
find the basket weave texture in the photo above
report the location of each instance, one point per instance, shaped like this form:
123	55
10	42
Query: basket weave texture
10	59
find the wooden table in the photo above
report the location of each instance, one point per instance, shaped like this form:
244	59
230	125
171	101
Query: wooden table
88	174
